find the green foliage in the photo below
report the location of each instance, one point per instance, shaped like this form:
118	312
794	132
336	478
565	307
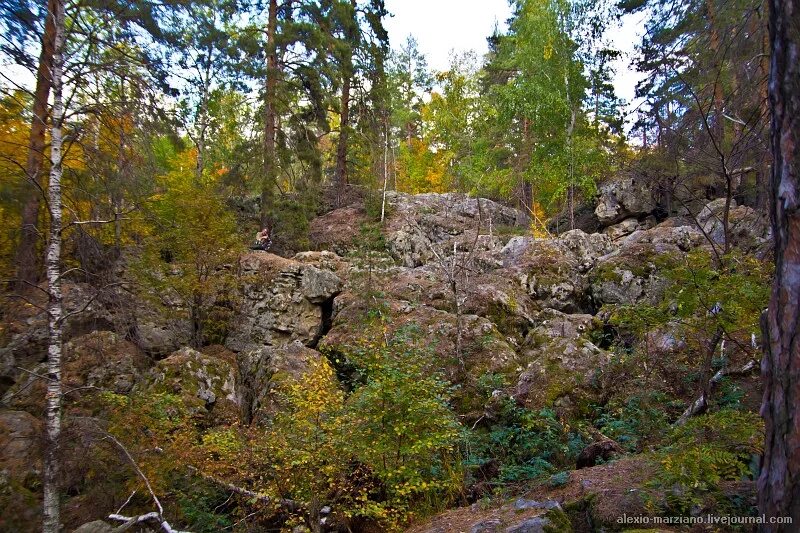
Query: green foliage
703	295
559	479
636	420
704	452
402	428
202	507
370	259
526	444
305	450
190	252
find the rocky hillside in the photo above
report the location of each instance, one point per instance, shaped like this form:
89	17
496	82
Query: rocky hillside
508	318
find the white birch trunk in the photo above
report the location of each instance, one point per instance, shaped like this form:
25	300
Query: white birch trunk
51	518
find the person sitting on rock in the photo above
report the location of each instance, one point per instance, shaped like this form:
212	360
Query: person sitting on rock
263	240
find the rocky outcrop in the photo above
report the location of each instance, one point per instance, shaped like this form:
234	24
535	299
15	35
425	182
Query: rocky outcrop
263	370
747	229
623	197
564	366
20	467
417	227
97	361
282	301
489	302
206	384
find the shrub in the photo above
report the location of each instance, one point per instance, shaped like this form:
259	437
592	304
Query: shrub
704	452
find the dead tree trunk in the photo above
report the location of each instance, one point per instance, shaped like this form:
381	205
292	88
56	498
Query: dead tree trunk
51	522
779	482
26	261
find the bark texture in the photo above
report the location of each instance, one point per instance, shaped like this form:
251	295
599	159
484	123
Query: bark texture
779	482
270	117
51	515
26	261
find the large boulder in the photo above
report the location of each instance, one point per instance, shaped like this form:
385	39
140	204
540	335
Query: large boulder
631	274
747	228
586	247
20	470
564	364
97	361
549	272
282	301
206	384
667	238
264	369
621	229
623	197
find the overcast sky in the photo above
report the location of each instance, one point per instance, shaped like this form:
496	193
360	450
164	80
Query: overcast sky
441	26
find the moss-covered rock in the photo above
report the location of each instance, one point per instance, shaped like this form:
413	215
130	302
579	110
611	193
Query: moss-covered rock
564	366
206	384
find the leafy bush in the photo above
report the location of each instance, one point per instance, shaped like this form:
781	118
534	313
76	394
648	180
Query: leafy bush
705	451
188	255
636	420
526	444
401	426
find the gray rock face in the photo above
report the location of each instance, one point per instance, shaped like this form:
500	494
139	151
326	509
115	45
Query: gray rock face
563	362
531	525
626	227
586	247
261	370
623	197
747	228
419	224
282	302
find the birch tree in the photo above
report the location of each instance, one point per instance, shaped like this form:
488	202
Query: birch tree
51	522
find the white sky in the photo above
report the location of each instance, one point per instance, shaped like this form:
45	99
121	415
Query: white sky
441	26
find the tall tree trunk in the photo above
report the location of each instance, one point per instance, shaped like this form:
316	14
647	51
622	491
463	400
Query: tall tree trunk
762	172
716	65
26	261
51	522
270	97
351	34
779	482
341	147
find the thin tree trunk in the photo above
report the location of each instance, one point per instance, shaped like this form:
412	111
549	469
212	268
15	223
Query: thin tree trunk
351	34
51	522
570	131
385	166
779	482
762	173
270	167
341	147
26	260
719	99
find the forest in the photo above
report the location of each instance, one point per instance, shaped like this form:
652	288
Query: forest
265	269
